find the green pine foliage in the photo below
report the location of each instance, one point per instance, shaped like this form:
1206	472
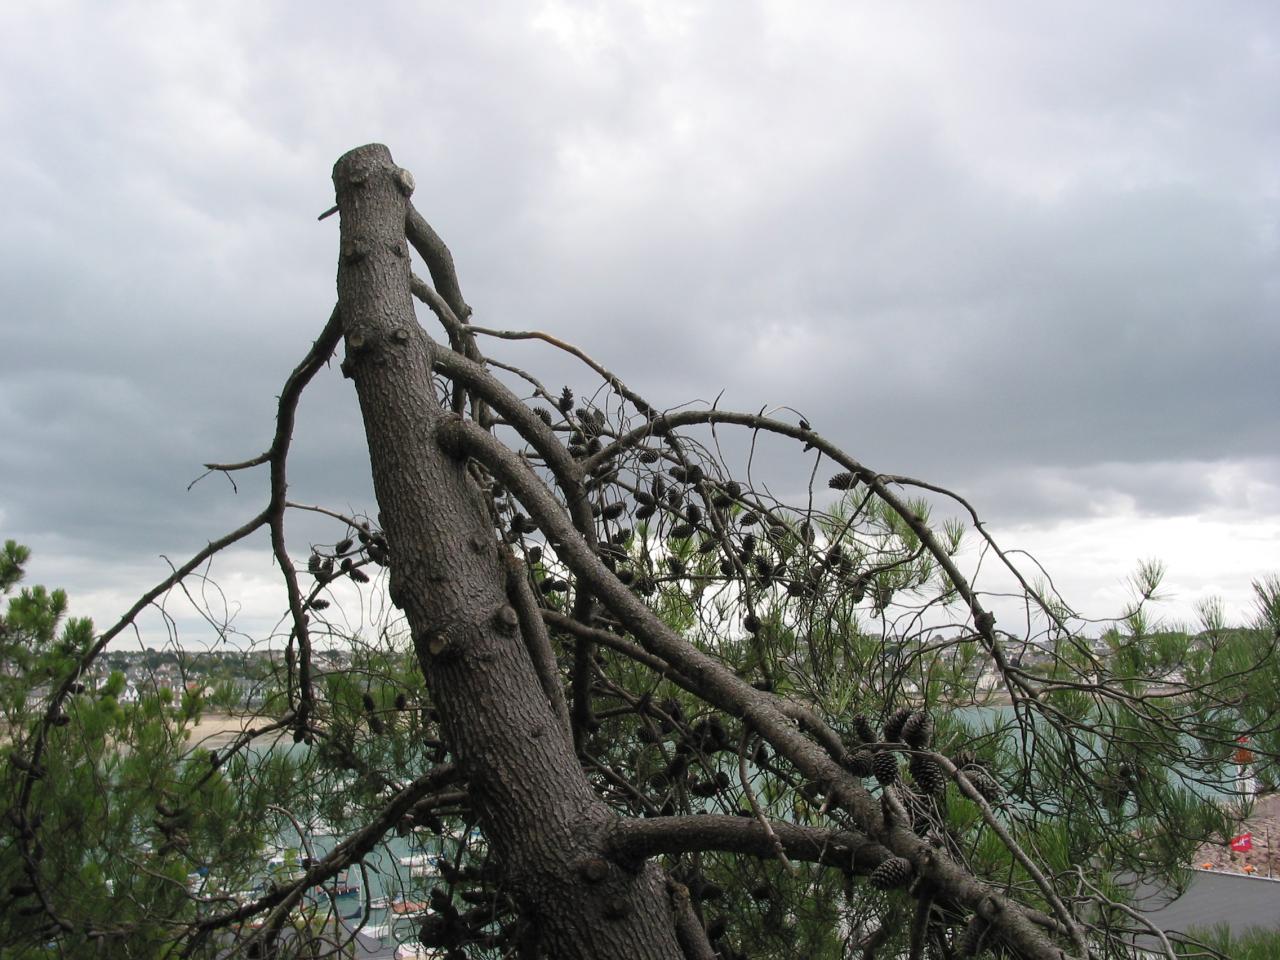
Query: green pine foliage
1254	945
133	808
1115	788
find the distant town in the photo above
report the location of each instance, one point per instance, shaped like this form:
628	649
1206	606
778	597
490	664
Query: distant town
225	679
235	679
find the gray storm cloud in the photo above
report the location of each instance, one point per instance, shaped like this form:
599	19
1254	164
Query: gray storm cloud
1029	253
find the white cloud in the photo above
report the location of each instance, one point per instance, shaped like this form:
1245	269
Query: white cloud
1205	556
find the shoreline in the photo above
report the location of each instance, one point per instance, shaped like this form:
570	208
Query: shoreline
219	729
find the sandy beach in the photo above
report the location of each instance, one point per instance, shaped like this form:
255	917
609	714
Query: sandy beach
218	729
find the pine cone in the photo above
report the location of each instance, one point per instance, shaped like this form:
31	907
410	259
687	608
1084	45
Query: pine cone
885	766
892	873
918	730
841	481
897	720
928	775
863	727
860	763
704	788
985	785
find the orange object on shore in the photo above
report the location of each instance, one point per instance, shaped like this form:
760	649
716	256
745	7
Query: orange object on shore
1243	754
1249	868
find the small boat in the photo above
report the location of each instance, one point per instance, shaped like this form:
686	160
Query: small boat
421	864
415	951
337	889
406	908
380	903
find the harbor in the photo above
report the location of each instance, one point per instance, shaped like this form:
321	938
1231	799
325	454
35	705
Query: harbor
376	905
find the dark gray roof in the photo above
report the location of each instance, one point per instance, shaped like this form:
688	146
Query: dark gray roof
1239	901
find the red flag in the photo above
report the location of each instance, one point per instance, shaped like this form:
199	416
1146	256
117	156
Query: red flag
1242	843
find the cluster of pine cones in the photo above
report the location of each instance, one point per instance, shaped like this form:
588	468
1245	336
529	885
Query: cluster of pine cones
911	727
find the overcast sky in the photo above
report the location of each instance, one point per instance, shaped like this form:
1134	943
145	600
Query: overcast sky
1030	251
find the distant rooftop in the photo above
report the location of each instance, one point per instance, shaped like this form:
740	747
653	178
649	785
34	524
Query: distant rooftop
1240	902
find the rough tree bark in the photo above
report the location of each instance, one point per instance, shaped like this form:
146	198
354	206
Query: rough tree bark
449	577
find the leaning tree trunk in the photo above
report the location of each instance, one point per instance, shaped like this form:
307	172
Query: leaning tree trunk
448	576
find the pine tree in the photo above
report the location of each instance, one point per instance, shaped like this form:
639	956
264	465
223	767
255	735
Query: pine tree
633	695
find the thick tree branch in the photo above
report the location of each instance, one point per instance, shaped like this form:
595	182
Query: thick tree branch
631	840
722	688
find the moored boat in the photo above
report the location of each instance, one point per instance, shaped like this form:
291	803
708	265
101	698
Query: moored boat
402	907
421	864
